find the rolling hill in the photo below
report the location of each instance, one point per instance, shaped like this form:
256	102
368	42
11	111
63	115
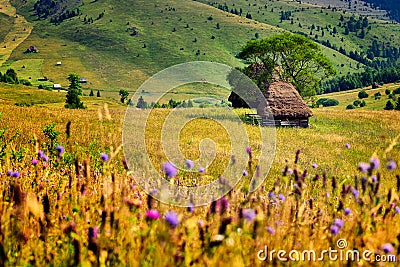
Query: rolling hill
119	44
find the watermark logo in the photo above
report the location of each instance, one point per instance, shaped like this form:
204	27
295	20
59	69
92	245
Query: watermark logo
142	147
340	253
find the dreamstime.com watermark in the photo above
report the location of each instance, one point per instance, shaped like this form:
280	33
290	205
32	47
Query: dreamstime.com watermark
340	253
139	128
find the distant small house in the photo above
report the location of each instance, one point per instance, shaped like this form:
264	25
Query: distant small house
56	86
82	80
42	79
58	63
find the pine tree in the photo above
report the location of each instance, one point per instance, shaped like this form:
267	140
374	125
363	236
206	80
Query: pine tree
74	91
141	103
98	93
91	93
389	105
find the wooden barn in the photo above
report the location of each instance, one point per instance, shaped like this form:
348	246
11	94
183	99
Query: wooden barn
286	106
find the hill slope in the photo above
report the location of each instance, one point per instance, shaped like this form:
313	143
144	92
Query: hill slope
119	44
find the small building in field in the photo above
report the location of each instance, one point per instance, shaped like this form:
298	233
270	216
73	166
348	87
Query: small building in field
58	63
82	80
57	86
285	105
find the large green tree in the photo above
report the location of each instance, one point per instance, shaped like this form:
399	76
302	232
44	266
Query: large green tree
299	59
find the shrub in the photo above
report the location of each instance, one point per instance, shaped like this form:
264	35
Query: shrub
350	107
377	95
363	104
356	103
362	94
327	102
396	91
389	105
388	92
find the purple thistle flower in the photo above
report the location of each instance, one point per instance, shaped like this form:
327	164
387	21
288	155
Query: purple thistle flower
190	208
397	210
347	211
387	248
363	167
15	174
271	195
314	165
249	214
40	153
60	150
347	145
104	157
281	197
170	169
189	164
245	173
375	163
249	151
356	193
152	215
202	170
338	222
9	173
374	178
34	162
391	165
334	229
270	230
290	171
172	219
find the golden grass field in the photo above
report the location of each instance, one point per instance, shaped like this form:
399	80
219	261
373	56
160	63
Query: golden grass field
77	197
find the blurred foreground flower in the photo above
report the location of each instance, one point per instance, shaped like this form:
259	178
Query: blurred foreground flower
172	219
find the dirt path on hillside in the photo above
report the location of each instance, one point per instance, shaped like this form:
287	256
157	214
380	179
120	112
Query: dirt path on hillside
18	34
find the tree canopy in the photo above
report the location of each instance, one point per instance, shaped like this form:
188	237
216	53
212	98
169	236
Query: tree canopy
299	59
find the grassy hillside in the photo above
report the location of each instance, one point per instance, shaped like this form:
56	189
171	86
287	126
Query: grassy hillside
128	41
348	97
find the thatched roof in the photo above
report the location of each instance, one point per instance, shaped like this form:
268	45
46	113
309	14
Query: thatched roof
284	102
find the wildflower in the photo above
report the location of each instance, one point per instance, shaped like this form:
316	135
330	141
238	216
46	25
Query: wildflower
9	173
190	208
347	145
338	222
281	197
363	167
270	230
347	211
249	214
271	195
104	157
375	163
387	248
34	162
15	174
297	156
290	171
391	165
245	173
249	151
170	170
314	165
356	193
334	229
202	170
374	179
189	164
60	150
172	219
152	215
397	210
